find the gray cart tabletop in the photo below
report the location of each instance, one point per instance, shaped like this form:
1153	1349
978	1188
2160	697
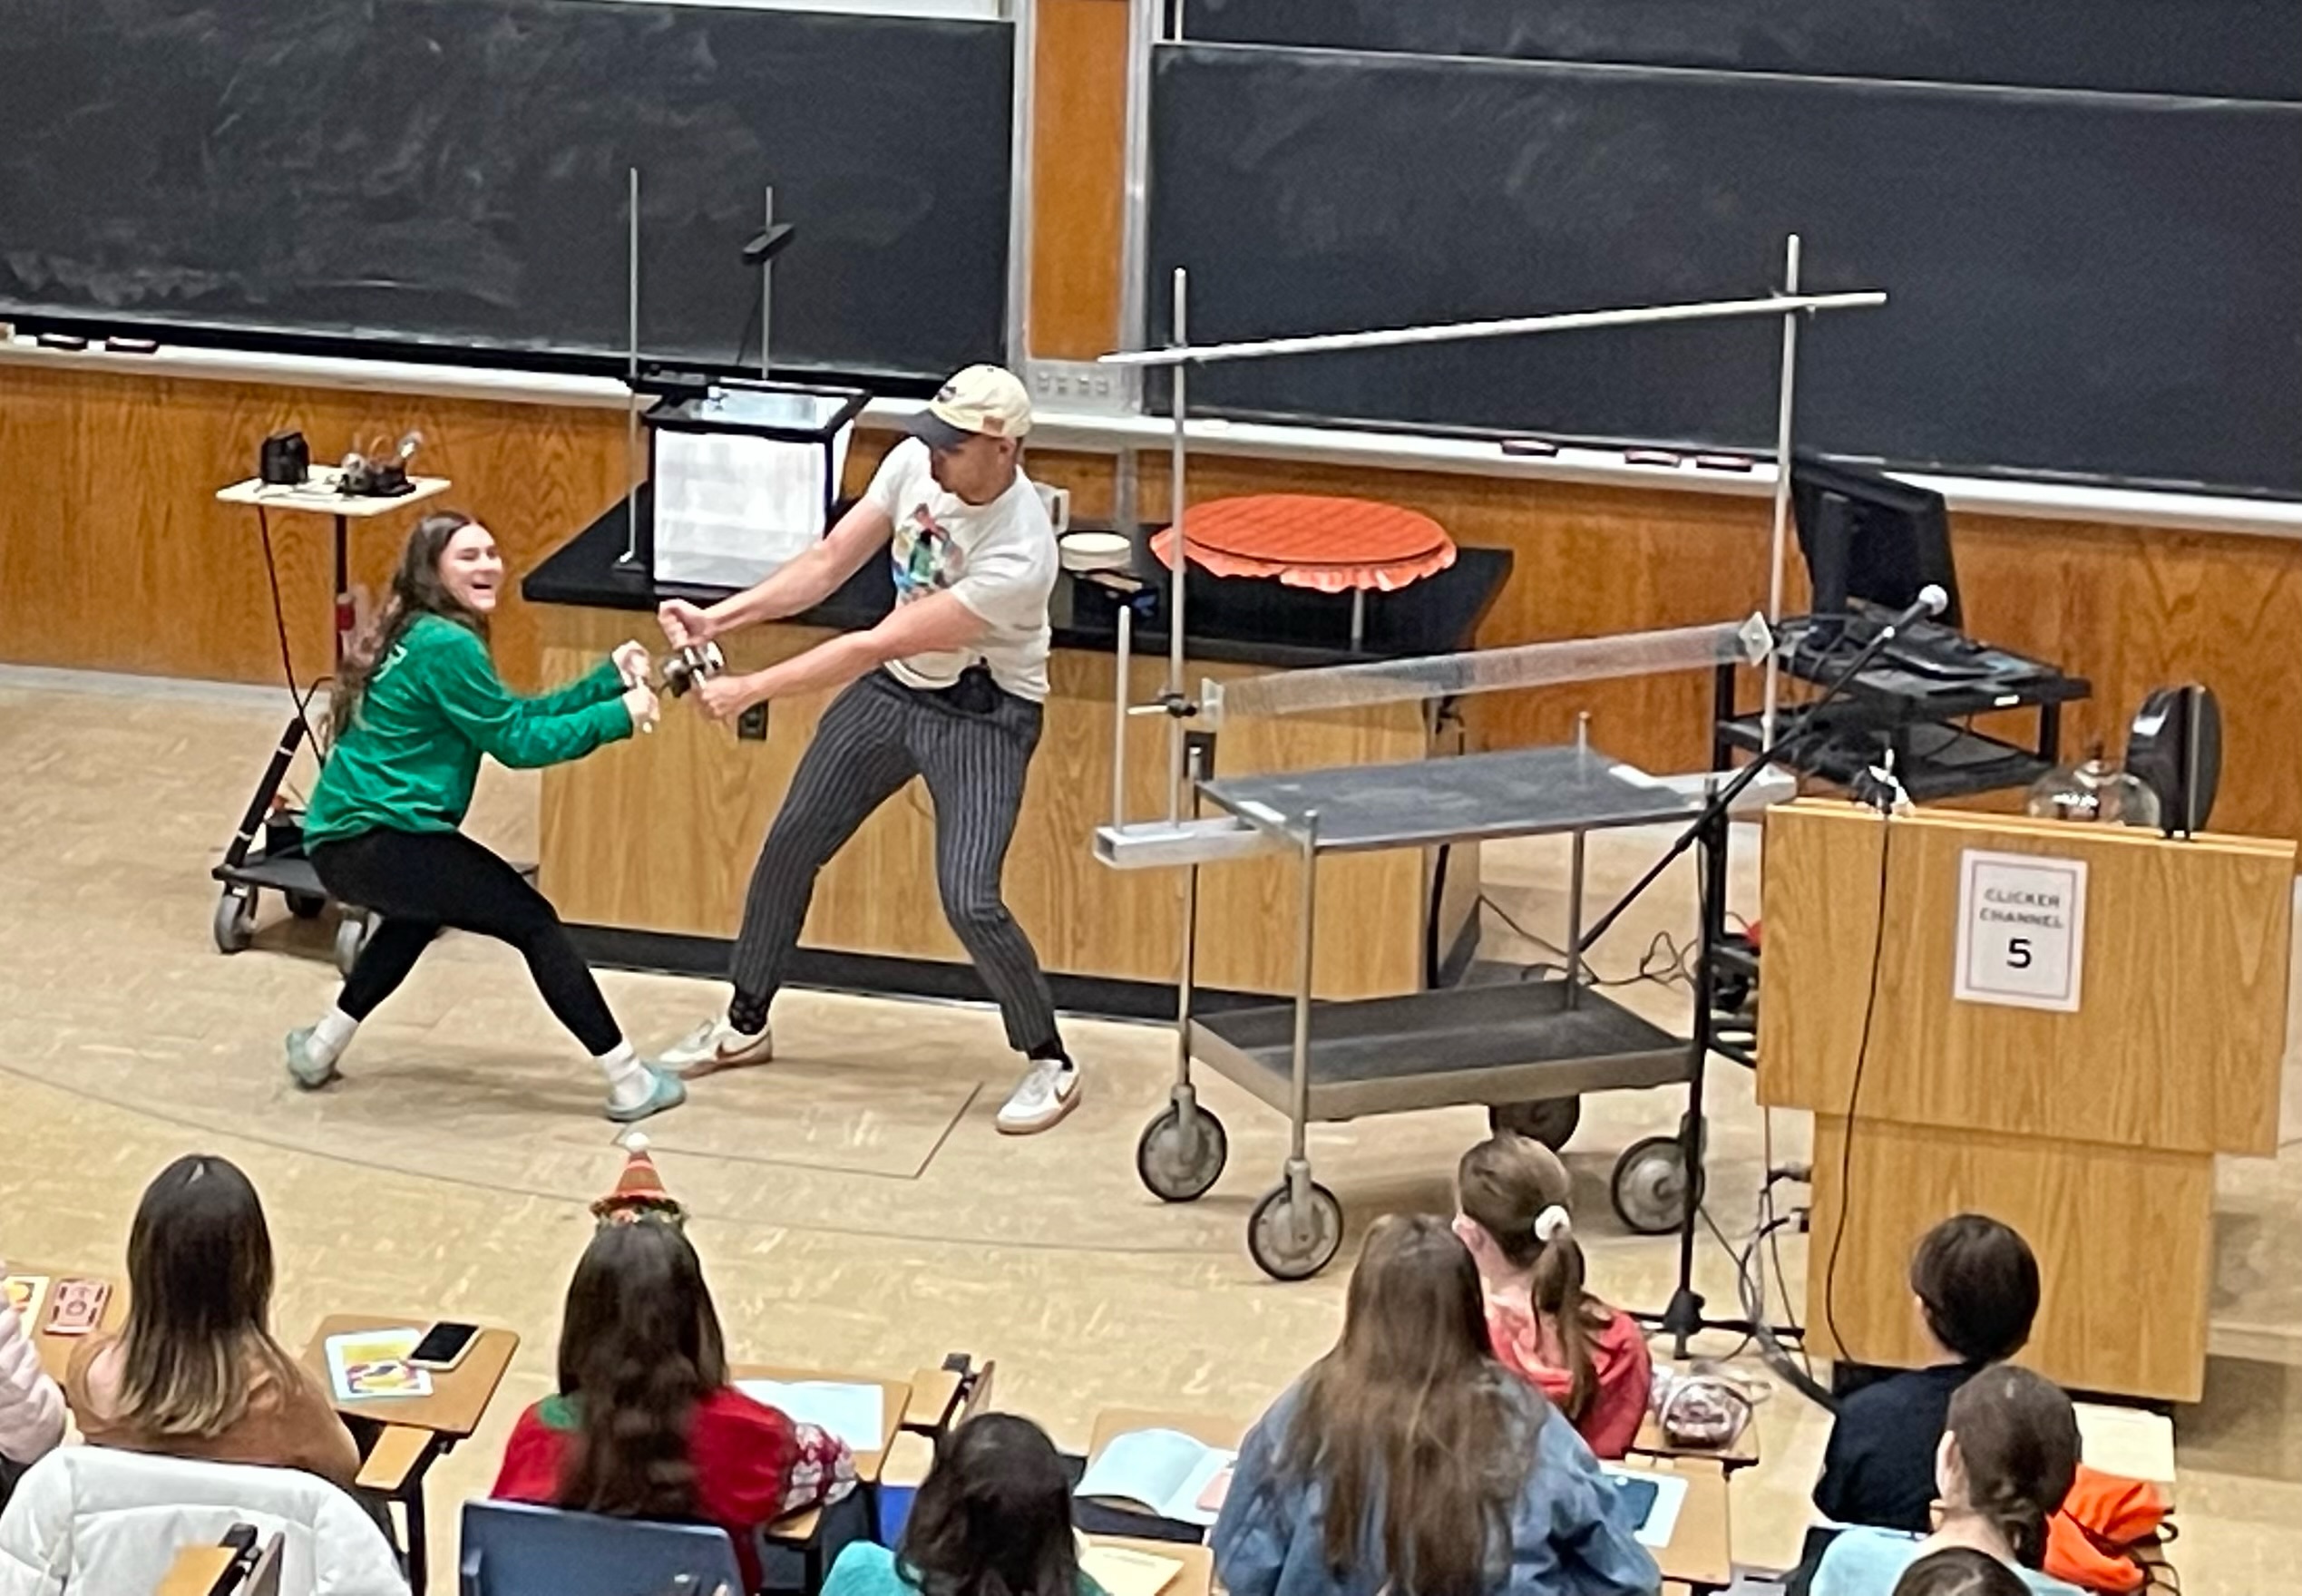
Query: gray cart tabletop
1518	792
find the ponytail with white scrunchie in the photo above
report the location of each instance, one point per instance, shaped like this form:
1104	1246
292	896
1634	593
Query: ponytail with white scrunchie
1551	1223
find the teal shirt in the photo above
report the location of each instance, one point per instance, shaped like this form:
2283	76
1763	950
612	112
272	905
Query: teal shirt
866	1570
411	756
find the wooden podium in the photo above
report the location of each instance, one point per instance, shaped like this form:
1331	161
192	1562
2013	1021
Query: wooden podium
2065	1025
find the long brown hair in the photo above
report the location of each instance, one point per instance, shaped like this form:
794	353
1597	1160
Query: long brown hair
1410	1424
199	1302
2018	1439
993	1517
1505	1184
639	1345
416	591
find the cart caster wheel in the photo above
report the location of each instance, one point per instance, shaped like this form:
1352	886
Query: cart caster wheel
351	937
1651	1189
307	905
235	923
1172	1174
1281	1250
1551	1123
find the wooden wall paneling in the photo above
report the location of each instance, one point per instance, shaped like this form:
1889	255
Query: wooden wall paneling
113	556
2100	1220
1078	138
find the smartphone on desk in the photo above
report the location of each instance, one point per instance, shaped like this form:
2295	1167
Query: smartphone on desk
444	1346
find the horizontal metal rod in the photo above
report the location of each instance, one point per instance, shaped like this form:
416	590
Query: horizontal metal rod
1451	332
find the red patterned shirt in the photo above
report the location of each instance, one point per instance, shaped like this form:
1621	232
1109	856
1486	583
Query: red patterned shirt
753	1465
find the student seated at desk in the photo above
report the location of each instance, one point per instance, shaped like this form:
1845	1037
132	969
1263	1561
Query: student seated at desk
1976	1285
195	1372
1590	1358
646	1424
2003	1466
1408	1460
1959	1571
993	1518
32	1409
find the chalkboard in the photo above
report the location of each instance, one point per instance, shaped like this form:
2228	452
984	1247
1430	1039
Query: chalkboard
446	176
2242	48
2095	287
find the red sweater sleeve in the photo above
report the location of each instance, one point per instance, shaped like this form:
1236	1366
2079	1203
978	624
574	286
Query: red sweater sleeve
531	1471
754	1464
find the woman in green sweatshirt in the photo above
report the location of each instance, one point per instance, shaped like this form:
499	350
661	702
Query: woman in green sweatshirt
414	711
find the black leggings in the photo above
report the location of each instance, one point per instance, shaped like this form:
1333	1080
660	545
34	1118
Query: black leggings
423	882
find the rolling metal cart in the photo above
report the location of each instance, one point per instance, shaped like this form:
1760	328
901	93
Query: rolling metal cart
246	870
1538	1042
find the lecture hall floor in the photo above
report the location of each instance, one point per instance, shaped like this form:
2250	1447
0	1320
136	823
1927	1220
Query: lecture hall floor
853	1205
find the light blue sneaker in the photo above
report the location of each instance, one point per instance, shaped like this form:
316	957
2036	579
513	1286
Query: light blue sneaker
665	1091
310	1074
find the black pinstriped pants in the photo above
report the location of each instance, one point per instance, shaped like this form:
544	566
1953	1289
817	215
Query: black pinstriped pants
876	735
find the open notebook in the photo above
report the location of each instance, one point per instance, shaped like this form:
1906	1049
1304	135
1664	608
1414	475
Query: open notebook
1165	1471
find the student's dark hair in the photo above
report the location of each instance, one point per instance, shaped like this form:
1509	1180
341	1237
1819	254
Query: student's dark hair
640	1346
1505	1184
199	1301
1977	1282
2017	1438
1959	1571
993	1517
1410	1424
416	591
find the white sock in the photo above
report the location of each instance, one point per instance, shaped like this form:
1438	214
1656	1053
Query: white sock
332	1034
627	1084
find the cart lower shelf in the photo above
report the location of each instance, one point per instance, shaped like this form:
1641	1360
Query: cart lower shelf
1518	1042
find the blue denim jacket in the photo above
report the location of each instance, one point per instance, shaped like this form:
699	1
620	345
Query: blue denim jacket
1569	1536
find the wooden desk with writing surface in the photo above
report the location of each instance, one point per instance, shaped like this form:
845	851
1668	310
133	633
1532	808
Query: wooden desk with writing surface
411	1433
801	1530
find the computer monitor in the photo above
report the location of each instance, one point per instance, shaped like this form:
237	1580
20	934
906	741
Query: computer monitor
1866	535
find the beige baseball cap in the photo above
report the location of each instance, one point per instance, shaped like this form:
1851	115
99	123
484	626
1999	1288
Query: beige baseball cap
988	400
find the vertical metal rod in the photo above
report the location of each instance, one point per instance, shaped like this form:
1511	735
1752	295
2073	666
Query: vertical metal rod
1305	935
1120	696
1178	579
1781	483
1358	618
632	393
1575	920
1188	973
767	273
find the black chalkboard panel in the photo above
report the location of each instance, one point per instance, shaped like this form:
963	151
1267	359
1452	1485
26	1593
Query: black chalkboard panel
2103	287
451	174
2244	48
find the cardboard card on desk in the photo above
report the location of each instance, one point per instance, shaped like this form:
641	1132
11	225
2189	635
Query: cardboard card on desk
1653	1501
25	1294
1165	1471
77	1307
363	1364
856	1413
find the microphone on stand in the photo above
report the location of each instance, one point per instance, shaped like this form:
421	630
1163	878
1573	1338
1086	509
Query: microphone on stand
1931	600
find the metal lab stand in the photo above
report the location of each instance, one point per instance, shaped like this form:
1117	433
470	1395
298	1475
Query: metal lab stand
1531	1041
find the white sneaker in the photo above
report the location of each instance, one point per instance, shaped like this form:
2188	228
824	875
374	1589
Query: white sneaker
1050	1090
715	1046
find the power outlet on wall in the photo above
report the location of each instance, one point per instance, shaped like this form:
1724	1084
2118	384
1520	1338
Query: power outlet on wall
1082	387
751	725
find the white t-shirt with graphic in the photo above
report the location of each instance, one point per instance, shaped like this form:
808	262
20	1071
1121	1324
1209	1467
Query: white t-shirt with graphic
997	558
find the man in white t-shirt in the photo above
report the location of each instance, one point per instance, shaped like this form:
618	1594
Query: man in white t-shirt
948	688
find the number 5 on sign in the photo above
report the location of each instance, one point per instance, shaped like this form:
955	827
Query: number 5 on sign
2022	930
